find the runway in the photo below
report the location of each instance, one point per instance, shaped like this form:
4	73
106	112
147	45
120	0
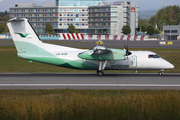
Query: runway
89	81
106	43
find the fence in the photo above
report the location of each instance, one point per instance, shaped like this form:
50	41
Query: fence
67	36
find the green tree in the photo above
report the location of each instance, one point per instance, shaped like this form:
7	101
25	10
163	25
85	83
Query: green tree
156	32
126	30
171	14
152	20
163	19
143	28
77	31
5	28
49	29
1	28
150	30
142	23
71	28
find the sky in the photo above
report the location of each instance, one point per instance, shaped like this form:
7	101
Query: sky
144	5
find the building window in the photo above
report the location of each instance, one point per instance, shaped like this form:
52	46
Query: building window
166	31
113	19
174	31
77	20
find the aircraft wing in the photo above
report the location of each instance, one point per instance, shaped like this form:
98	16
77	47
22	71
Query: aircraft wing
102	53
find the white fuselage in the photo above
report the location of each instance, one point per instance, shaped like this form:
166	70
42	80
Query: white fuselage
138	60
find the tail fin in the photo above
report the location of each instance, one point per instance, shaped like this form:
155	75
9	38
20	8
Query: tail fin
23	35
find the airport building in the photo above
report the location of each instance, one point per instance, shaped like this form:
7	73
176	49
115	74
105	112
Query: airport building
109	19
88	16
171	32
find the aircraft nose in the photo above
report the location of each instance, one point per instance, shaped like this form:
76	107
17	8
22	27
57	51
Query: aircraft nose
169	66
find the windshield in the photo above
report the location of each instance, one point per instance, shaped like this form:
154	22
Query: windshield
153	56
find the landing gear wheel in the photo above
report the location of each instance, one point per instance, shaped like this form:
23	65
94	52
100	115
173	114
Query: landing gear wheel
160	73
100	73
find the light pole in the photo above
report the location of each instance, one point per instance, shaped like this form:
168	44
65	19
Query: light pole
170	35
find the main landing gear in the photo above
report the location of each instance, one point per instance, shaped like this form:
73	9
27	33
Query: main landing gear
100	73
160	73
102	65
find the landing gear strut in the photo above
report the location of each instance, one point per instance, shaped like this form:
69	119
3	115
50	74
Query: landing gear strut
101	68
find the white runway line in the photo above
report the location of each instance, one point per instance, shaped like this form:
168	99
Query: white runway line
90	85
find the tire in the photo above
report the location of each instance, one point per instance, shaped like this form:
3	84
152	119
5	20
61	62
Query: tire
100	73
160	73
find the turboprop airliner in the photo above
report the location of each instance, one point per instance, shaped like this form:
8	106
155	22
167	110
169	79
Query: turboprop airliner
100	58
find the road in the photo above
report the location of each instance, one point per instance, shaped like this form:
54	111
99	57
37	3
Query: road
88	81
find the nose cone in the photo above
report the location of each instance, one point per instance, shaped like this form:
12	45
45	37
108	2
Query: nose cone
170	66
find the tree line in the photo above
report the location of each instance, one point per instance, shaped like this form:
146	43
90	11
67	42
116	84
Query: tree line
169	15
4	17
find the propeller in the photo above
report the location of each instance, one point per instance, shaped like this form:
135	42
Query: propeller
126	49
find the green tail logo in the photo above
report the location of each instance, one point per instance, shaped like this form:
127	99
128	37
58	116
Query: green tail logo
23	35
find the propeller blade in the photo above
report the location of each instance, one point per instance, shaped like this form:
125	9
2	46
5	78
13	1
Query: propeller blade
124	46
127	51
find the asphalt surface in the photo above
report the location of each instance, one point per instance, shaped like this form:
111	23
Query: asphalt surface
89	81
107	43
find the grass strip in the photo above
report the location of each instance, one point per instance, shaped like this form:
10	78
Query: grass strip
90	104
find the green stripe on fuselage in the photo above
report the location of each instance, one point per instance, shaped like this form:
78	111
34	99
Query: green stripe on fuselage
35	53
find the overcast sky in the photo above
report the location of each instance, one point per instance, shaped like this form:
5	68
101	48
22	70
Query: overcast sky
152	5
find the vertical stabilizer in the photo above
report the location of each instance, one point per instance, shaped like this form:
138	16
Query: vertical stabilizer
23	35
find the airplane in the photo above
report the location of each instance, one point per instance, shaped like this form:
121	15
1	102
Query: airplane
100	58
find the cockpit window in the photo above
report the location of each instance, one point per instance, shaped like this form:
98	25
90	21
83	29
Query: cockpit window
153	56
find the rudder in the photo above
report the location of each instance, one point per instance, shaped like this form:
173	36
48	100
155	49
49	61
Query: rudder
22	33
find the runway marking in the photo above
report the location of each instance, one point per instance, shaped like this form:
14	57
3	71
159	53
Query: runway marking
92	85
